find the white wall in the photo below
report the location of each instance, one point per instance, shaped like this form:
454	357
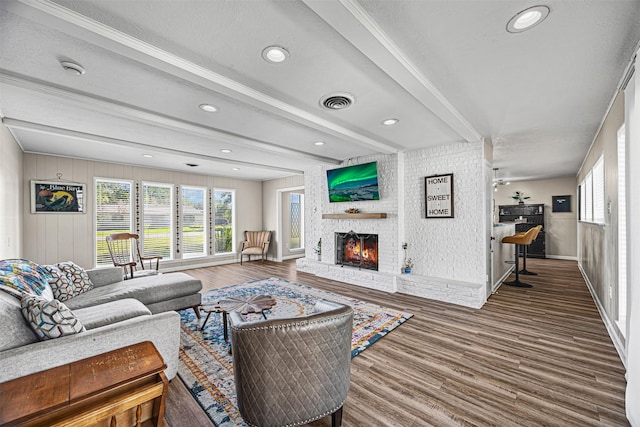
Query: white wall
11	195
50	238
453	248
561	239
597	244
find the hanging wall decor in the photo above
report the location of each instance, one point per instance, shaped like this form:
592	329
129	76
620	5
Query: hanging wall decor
439	196
561	203
57	197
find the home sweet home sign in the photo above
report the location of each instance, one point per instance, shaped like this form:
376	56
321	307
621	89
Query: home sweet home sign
439	196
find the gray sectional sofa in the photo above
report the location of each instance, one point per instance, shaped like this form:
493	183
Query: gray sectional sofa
115	313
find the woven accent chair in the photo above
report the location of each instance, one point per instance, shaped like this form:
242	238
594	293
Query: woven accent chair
124	249
293	371
255	243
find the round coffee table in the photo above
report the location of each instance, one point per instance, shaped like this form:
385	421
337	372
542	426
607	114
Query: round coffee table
243	305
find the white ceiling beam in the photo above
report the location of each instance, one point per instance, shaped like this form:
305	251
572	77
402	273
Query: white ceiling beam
127	111
70	22
121	143
351	21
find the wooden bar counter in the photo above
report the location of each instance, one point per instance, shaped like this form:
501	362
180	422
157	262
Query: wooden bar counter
124	387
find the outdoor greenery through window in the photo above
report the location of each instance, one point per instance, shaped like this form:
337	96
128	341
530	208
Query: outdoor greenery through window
193	204
223	221
157	215
592	207
113	214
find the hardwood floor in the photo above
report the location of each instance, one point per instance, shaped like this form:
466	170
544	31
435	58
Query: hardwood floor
529	357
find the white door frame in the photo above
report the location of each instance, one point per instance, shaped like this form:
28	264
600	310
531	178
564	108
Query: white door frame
279	192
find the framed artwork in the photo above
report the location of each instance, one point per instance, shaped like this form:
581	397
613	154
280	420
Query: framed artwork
439	196
57	197
561	203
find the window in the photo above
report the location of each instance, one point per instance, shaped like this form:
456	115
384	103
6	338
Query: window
223	221
113	214
194	236
588	184
296	220
598	192
157	215
592	206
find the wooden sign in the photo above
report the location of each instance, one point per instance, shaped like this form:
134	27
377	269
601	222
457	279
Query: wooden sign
439	196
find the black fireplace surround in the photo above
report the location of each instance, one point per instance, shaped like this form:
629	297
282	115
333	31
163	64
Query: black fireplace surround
357	250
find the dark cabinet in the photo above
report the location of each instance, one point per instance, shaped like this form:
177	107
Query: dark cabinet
533	215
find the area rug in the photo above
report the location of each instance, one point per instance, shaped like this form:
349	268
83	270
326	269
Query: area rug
206	367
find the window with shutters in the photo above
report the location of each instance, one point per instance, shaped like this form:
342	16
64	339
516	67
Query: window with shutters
157	219
113	214
224	235
592	203
193	221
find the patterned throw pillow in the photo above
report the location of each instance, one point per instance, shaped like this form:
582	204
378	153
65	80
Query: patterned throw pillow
21	275
49	319
60	284
77	276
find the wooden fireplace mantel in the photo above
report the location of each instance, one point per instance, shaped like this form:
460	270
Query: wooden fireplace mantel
372	215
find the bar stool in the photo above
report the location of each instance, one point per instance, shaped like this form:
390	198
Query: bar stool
517	240
524	252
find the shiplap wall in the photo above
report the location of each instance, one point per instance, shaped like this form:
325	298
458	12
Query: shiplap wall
51	238
11	194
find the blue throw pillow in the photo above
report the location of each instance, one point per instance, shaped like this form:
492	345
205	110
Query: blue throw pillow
22	275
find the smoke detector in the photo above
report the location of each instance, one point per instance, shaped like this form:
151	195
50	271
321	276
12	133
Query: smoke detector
72	67
337	101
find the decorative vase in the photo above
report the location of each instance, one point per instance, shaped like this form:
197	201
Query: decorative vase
407	270
319	257
521	202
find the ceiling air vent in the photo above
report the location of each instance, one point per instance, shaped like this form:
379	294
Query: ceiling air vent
337	101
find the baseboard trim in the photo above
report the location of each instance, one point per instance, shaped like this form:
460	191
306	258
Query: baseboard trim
502	279
620	348
569	258
199	265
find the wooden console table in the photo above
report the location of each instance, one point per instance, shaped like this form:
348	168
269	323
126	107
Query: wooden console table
124	387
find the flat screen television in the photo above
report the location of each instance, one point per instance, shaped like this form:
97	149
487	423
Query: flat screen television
353	183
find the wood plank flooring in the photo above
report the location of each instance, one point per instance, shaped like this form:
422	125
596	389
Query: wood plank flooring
529	357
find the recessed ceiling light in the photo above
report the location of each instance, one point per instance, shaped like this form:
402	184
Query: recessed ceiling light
275	54
318	143
72	67
235	169
390	122
208	108
527	19
147	156
225	150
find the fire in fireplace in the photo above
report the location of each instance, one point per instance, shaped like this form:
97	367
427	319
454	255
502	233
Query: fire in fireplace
357	250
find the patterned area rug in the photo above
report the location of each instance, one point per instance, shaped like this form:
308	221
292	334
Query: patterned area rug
206	367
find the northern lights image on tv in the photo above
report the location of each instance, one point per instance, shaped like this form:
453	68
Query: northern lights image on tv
353	183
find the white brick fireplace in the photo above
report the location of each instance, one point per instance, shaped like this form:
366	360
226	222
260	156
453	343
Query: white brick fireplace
449	254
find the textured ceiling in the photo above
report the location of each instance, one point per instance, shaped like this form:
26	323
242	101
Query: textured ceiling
447	69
